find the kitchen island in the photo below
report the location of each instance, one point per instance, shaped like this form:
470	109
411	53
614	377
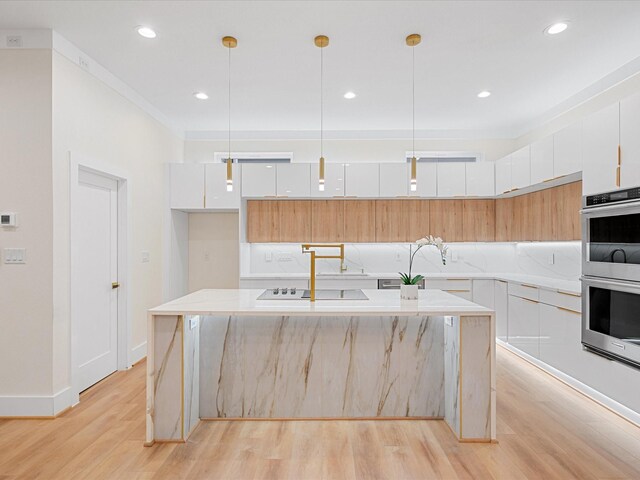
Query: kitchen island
225	354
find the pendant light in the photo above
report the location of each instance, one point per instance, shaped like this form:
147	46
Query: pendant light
321	41
229	42
413	40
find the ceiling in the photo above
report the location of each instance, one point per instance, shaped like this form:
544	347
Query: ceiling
468	46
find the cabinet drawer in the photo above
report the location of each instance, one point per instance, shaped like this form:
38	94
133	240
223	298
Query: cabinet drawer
557	298
524	290
452	285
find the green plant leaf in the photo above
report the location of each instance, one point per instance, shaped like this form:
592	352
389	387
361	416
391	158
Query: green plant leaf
406	280
416	279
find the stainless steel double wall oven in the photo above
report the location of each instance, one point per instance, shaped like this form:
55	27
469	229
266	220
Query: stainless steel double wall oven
611	274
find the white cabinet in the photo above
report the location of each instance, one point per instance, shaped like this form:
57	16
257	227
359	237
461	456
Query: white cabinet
426	180
216	186
521	168
600	140
451	178
393	179
293	179
560	333
630	141
333	180
480	178
187	185
258	180
362	180
483	293
567	150
542	160
501	305
524	325
503	175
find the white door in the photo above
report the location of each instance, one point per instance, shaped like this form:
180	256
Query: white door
451	178
542	160
630	141
600	140
393	180
95	259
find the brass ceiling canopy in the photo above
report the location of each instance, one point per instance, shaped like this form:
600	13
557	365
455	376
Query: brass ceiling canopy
229	42
413	39
321	41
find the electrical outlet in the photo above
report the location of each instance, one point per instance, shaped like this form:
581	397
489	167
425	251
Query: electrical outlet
285	257
84	63
145	257
14	41
448	321
268	257
193	322
552	258
398	258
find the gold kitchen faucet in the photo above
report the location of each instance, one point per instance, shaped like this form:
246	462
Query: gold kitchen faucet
307	248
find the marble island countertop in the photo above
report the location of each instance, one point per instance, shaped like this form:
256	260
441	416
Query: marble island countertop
381	302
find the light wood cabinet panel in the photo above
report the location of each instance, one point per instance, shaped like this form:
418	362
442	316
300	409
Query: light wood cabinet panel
419	220
263	221
568	203
521	217
295	220
359	221
445	219
478	220
327	221
392	221
504	219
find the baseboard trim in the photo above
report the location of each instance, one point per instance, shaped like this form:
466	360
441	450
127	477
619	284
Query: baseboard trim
138	353
36	406
598	397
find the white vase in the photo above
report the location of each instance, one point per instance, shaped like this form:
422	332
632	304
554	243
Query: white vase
409	292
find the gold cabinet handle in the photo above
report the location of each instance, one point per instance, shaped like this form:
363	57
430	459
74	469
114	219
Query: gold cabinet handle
528	286
569	293
568	310
114	285
618	167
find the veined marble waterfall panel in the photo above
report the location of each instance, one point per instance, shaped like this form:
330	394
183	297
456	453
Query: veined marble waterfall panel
287	366
191	364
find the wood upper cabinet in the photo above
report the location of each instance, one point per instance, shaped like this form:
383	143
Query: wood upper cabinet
327	221
392	220
567	207
504	219
419	219
478	220
295	220
359	221
263	221
445	219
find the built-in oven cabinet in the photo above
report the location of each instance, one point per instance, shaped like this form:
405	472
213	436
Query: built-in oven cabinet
600	140
611	240
524	325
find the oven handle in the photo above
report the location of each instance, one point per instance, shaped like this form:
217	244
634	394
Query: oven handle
627	286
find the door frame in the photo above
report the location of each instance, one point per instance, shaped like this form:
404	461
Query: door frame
79	163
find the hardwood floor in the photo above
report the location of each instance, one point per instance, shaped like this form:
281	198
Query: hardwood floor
546	430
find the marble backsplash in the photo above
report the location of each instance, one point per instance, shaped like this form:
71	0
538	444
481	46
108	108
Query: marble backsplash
561	260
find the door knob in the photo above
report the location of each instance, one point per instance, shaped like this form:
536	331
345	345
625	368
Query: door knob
115	285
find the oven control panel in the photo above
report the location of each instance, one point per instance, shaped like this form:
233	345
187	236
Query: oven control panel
613	197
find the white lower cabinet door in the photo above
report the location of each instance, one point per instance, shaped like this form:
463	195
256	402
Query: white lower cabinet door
524	325
560	332
483	293
500	299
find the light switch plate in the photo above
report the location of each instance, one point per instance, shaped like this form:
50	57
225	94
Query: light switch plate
15	255
448	321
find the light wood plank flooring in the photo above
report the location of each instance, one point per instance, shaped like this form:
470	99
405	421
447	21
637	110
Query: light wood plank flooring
545	431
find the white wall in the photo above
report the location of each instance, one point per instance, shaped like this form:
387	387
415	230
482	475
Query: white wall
366	150
93	121
214	244
26	291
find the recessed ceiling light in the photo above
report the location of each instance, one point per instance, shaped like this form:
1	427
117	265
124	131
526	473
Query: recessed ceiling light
146	32
349	95
556	28
484	94
201	95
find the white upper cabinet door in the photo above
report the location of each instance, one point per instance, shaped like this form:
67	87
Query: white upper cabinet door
567	150
187	185
521	168
503	175
600	140
451	179
362	180
217	195
630	142
426	179
333	180
293	179
258	180
393	179
480	179
542	160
